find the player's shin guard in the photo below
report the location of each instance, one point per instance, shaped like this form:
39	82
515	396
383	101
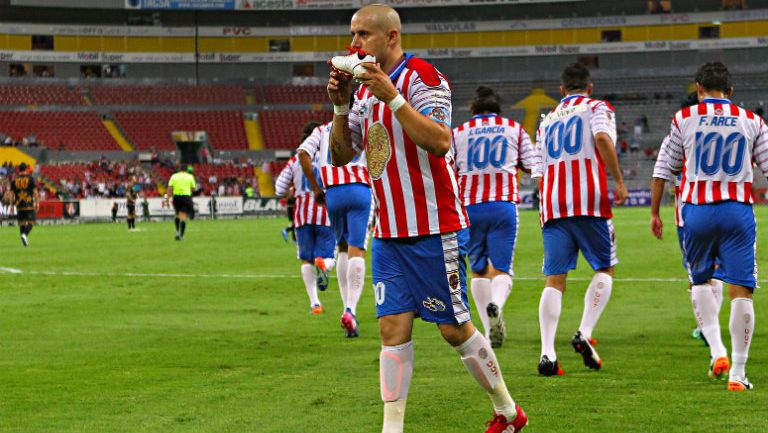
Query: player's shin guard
310	283
480	360
550	306
501	287
705	309
742	326
595	300
183	226
481	294
396	370
342	267
176	221
356	280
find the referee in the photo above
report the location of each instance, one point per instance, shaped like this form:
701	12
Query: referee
180	188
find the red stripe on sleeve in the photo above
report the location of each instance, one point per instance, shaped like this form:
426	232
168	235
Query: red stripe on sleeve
686	113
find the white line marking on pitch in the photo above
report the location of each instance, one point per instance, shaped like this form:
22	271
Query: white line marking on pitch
289	276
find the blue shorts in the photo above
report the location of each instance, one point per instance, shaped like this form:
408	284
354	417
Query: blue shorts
492	235
724	231
425	275
680	242
349	207
314	241
565	237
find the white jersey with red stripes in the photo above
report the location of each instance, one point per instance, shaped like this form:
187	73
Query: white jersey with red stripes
318	144
415	192
714	144
489	149
307	211
573	178
678	203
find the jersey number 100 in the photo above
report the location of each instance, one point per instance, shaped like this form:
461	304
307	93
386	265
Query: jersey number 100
483	151
713	152
564	137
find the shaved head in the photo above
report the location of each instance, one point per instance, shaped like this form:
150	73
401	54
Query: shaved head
384	17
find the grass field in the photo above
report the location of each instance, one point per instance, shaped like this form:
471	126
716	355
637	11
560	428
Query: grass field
110	331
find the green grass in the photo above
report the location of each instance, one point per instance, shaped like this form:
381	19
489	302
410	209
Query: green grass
97	334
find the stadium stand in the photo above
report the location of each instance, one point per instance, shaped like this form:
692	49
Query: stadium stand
167	95
79	131
295	94
150	130
282	129
39	95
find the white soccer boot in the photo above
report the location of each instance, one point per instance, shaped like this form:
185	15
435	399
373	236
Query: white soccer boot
352	62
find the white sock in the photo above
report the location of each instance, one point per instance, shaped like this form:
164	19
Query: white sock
705	310
310	283
341	275
480	360
595	299
329	264
742	326
501	287
717	290
395	372
550	306
356	279
481	294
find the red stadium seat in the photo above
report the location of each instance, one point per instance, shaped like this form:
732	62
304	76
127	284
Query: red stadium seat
282	129
153	129
59	129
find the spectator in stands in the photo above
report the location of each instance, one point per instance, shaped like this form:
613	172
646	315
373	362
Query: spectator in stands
623	146
644	122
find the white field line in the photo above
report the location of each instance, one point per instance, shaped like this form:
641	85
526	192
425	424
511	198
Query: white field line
277	276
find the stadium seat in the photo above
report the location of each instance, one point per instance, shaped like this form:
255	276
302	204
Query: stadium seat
59	129
282	129
153	129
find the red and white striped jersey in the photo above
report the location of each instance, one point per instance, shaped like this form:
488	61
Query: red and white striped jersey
678	203
573	179
714	144
306	210
489	149
318	143
415	192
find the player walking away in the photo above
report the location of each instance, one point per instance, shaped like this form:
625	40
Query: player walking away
26	199
576	143
717	285
401	120
489	150
131	195
314	235
113	210
180	187
715	144
145	208
348	200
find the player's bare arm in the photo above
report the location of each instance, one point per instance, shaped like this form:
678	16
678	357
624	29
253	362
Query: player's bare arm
431	136
340	92
607	150
306	166
657	191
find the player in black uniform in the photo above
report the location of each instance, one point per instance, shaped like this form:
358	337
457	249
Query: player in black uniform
131	195
26	198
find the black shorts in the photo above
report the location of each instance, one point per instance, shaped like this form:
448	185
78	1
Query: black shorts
131	209
183	203
25	215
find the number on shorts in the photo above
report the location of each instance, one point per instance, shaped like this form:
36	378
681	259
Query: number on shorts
379	291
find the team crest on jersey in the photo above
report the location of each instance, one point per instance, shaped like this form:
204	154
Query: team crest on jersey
377	150
453	280
433	304
438	114
718	112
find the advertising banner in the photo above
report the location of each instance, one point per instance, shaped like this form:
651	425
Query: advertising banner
181	4
102	208
264	206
